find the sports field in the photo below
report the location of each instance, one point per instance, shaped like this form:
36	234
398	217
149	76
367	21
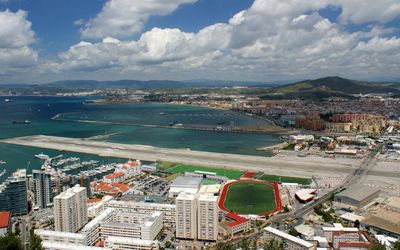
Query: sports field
251	197
287	179
181	168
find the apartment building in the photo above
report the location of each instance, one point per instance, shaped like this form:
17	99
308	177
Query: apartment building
197	216
145	209
186	216
207	217
122	243
70	209
13	194
41	188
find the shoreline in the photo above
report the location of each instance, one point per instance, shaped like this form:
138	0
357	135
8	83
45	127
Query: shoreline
288	165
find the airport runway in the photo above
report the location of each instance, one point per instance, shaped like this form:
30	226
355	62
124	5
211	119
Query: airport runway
280	165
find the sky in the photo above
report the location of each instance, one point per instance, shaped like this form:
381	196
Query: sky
243	40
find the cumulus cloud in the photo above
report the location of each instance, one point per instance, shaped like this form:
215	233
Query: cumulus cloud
16	37
123	18
273	39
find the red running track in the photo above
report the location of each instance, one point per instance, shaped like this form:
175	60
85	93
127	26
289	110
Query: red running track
225	189
249	174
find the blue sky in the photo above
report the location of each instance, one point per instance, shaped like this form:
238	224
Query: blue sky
257	40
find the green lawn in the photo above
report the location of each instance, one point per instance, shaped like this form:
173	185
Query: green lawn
250	198
287	179
181	168
209	182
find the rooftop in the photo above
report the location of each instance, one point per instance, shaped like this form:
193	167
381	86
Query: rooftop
132	241
4	219
237	219
186	182
358	192
288	237
65	246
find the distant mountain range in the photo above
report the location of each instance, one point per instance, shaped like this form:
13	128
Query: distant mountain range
318	88
331	86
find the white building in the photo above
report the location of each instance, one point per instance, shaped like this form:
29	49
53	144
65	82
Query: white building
51	245
145	208
70	209
122	243
207	217
132	225
61	237
109	223
186	216
290	242
197	216
130	169
184	184
96	208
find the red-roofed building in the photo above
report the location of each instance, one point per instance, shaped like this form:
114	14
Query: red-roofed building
131	168
236	223
114	177
108	188
5	222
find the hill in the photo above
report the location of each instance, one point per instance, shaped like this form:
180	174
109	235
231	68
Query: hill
330	86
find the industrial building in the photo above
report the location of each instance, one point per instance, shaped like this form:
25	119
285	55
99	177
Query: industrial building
357	195
185	184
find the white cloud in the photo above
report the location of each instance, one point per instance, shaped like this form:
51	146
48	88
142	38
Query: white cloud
16	37
272	39
123	18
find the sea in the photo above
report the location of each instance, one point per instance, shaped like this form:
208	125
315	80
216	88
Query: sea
120	123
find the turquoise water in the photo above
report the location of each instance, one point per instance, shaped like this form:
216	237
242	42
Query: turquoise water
40	110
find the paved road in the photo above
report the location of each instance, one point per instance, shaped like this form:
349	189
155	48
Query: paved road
290	165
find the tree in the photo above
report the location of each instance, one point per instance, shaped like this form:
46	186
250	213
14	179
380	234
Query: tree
168	244
244	244
10	242
273	244
224	246
377	246
35	242
294	232
254	244
396	245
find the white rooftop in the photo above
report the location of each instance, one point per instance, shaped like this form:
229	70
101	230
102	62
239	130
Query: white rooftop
210	189
132	241
288	237
49	233
352	217
66	246
339	227
102	216
186	182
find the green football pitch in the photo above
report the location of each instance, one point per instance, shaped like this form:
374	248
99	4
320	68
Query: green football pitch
250	198
181	168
